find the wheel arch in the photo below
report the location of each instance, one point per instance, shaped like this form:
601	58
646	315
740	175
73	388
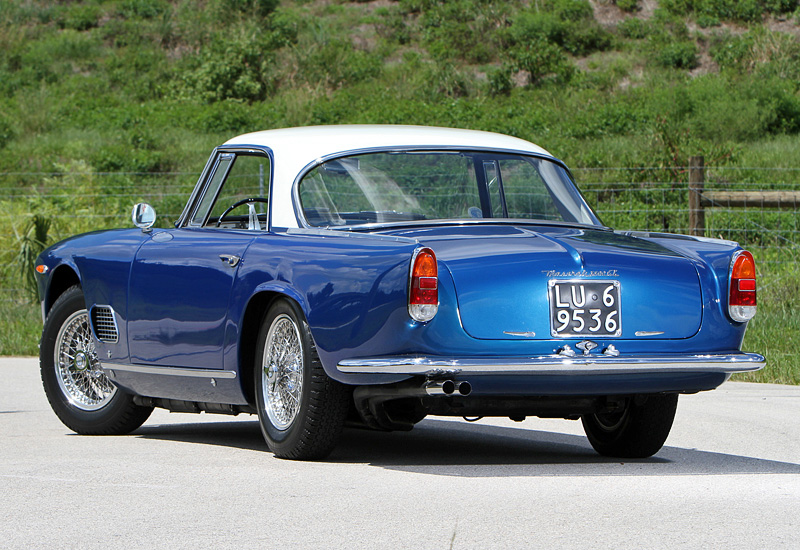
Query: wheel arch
256	308
62	278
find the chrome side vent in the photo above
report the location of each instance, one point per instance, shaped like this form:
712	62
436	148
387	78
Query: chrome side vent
104	323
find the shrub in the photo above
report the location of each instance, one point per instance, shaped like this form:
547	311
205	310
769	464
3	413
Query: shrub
635	28
143	9
705	21
731	51
500	80
678	55
232	68
760	51
80	17
727	10
335	63
629	6
258	8
462	29
392	26
568	24
571	10
540	59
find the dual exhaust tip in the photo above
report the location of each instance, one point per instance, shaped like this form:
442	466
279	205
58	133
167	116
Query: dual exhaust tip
448	387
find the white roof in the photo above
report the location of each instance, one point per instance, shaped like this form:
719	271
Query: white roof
318	141
296	148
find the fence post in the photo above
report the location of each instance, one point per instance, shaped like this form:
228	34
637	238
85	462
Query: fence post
697	178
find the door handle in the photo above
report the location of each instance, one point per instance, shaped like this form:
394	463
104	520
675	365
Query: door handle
230	259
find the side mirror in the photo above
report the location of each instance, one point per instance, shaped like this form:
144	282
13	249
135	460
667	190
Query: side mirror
144	216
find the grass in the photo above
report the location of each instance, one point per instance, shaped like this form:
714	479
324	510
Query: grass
775	331
20	327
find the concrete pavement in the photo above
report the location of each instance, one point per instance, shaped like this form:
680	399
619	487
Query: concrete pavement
728	477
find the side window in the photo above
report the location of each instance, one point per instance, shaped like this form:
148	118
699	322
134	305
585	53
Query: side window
246	177
526	194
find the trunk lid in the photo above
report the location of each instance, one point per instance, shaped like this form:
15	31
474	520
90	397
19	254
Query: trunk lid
502	272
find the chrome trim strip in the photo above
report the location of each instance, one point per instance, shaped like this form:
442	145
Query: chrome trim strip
649	332
556	364
170	371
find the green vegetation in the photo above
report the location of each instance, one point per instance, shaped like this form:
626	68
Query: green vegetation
107	102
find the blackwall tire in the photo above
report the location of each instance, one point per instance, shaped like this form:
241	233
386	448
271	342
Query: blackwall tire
79	392
638	431
300	409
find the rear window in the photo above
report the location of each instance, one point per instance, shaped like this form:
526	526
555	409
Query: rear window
413	186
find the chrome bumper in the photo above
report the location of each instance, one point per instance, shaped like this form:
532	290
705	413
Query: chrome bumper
555	365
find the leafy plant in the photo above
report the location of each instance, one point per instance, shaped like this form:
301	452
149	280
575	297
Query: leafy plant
629	6
30	243
541	59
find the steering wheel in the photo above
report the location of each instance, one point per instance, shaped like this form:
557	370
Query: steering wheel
250	201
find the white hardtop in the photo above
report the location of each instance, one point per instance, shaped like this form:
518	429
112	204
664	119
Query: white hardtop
295	148
313	142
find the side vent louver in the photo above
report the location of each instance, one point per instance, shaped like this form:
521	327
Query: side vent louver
105	324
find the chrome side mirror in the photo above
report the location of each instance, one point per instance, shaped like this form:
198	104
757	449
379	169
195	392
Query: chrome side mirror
144	216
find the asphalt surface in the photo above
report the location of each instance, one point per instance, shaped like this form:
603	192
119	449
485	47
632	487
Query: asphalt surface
728	477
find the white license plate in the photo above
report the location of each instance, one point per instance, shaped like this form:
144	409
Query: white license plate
584	308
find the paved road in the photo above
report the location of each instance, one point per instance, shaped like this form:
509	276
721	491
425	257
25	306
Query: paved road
729	477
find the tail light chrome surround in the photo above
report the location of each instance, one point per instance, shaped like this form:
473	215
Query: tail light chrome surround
742	287
423	286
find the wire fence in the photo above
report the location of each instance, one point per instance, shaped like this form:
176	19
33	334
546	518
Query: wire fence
625	198
648	199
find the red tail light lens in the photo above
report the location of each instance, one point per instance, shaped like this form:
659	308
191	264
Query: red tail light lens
742	287
423	288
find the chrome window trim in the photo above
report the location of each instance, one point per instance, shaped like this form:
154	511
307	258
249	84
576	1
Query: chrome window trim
208	172
301	220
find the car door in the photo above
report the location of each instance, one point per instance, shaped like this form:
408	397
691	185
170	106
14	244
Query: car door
181	279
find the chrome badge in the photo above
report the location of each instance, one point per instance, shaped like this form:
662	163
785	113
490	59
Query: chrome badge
586	346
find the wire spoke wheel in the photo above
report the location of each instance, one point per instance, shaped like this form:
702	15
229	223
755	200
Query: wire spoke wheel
282	372
300	409
80	393
78	370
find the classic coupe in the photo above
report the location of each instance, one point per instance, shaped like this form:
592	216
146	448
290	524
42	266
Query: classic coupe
379	274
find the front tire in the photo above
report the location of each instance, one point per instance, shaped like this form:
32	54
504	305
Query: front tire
78	390
301	410
638	430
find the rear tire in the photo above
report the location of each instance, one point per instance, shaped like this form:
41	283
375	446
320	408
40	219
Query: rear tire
78	390
301	410
638	431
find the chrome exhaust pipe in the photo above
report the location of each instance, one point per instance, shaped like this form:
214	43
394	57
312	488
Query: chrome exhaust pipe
440	387
448	387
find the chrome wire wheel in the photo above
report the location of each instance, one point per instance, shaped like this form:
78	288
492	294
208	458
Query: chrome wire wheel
77	367
282	372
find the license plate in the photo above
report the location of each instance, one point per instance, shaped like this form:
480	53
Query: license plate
584	308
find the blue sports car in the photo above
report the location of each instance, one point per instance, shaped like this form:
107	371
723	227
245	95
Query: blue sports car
380	274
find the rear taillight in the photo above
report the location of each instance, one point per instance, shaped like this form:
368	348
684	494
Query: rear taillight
742	287
423	287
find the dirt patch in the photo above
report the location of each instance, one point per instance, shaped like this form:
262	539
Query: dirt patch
608	14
